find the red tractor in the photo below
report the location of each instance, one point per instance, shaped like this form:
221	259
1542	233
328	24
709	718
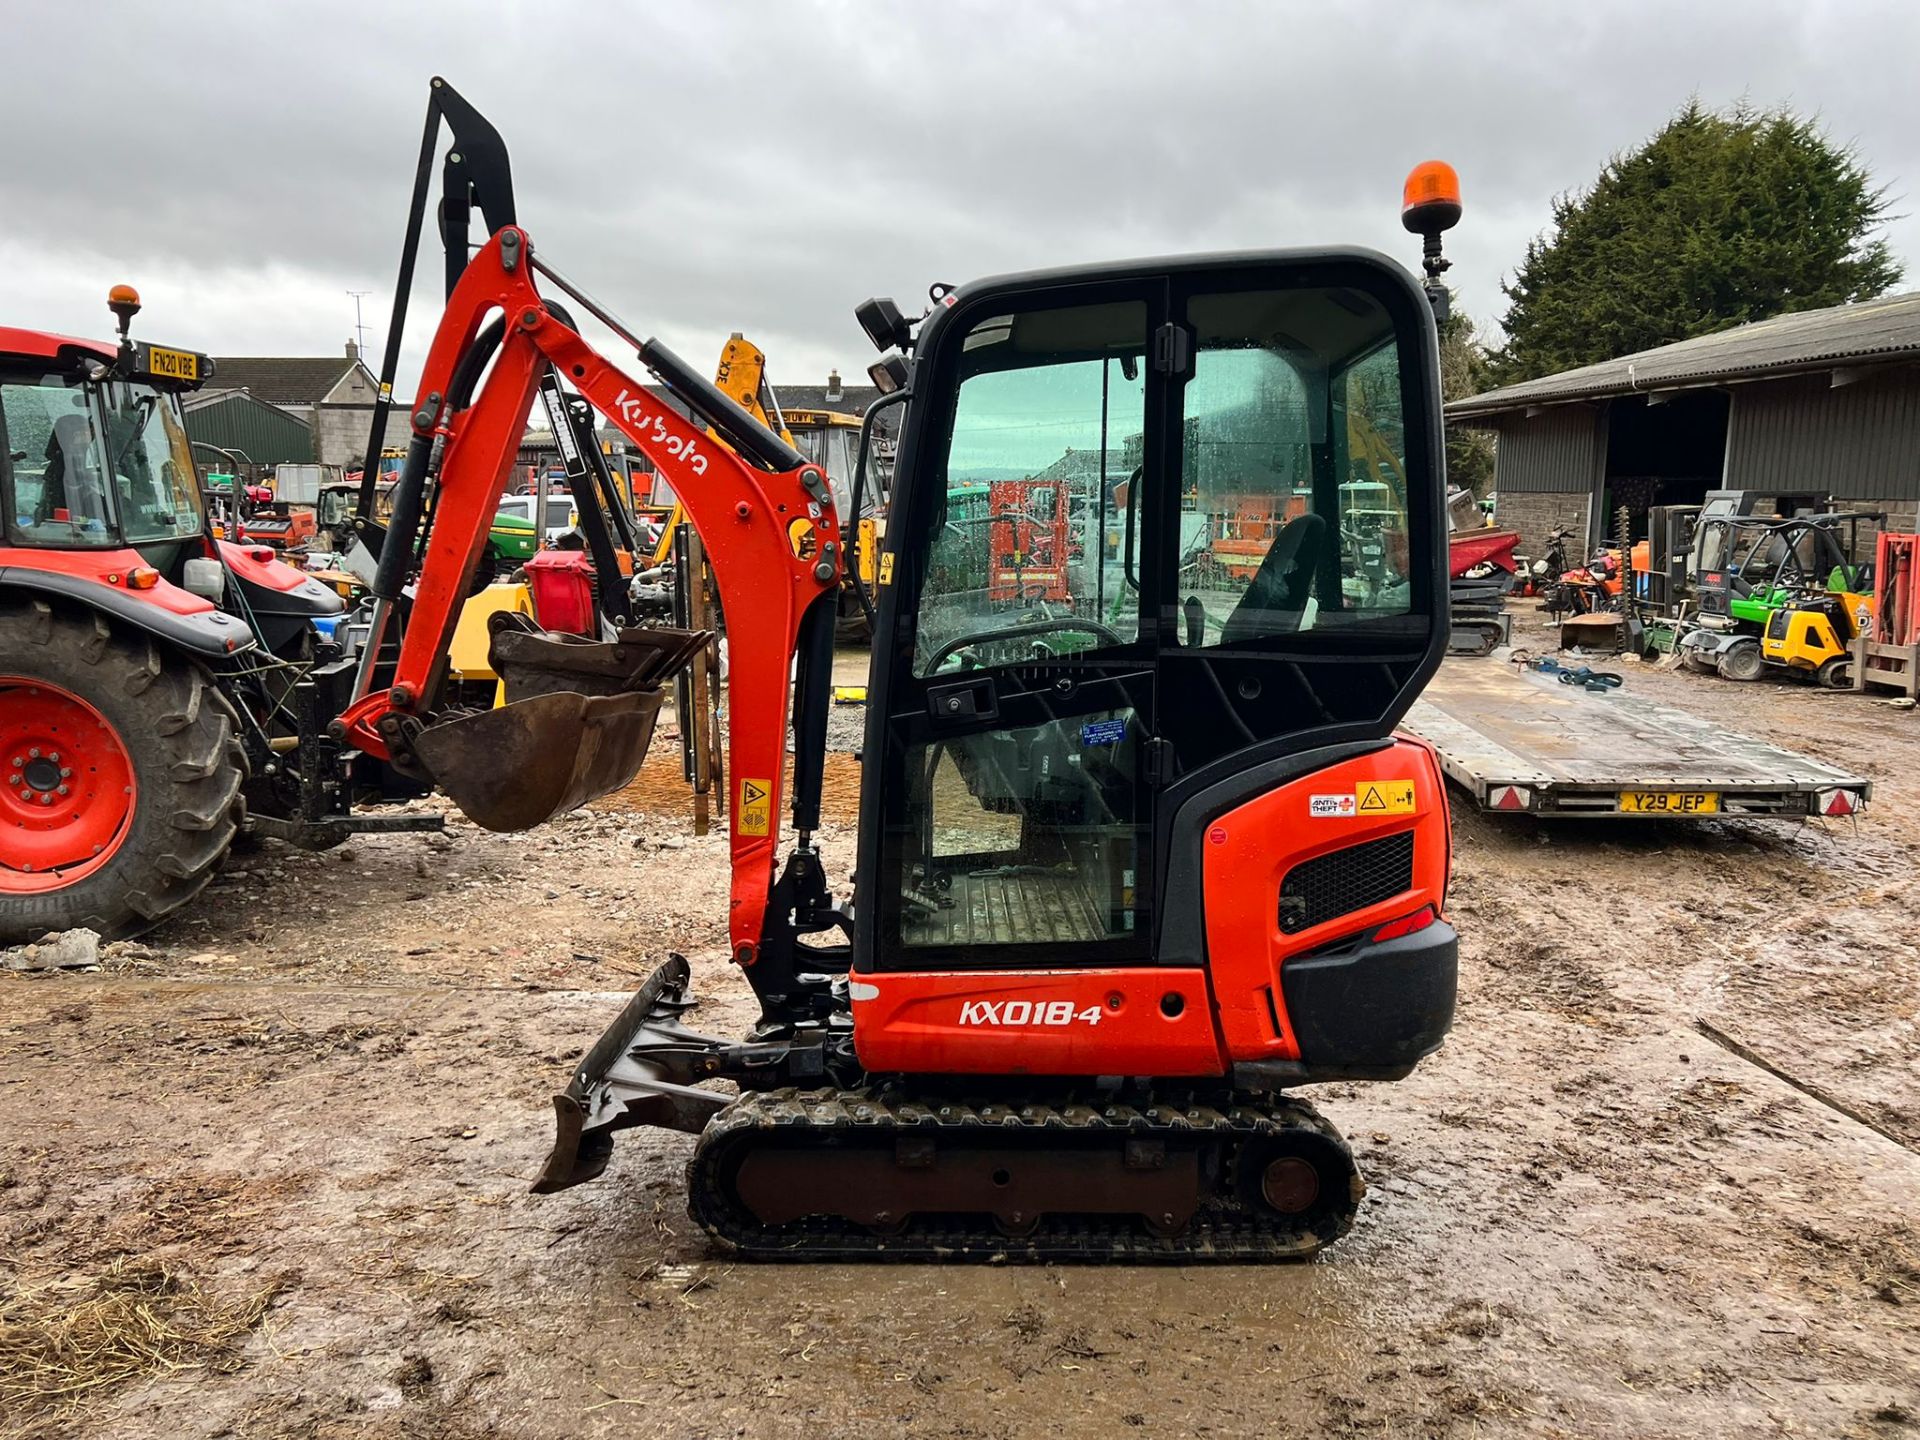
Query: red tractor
145	667
1030	541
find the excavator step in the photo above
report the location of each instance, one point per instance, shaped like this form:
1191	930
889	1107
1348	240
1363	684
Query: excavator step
877	1174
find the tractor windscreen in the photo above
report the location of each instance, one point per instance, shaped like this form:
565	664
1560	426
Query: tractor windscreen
152	464
94	467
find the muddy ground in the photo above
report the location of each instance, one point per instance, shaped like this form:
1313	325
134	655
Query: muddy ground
325	1089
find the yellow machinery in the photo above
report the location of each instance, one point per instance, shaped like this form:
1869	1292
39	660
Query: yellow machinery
829	439
1814	631
467	653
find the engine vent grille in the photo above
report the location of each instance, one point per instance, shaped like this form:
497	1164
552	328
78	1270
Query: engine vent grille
1333	885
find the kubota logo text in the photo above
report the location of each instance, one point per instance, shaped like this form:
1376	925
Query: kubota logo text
645	426
1027	1012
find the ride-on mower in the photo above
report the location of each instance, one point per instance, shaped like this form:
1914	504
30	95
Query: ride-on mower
1134	861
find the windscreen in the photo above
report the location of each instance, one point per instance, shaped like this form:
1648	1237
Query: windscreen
1033	555
1285	484
152	465
56	484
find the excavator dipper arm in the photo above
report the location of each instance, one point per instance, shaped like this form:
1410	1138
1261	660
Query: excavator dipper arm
772	537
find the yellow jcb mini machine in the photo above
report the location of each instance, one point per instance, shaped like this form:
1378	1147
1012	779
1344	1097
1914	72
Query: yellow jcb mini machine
830	440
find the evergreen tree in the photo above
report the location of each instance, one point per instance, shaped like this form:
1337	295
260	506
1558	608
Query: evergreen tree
1719	219
1464	367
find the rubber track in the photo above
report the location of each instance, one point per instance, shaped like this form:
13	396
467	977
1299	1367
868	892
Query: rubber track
1222	1230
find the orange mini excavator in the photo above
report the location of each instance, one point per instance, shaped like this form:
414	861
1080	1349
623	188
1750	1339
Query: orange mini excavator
1137	856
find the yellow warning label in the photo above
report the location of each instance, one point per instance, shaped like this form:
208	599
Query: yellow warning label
1386	797
756	807
886	569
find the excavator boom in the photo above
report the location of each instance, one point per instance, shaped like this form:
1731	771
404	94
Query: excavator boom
772	537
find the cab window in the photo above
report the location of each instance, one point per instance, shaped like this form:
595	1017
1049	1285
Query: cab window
1293	508
152	465
56	492
1037	544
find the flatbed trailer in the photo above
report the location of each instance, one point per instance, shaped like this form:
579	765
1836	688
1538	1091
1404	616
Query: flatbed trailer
1522	742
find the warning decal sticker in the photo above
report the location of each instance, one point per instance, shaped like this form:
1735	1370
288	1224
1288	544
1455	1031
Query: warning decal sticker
1387	797
756	807
1324	807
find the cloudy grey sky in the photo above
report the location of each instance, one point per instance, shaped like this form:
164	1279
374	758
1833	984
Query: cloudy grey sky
709	167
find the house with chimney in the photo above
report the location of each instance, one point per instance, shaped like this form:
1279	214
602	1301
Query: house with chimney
278	409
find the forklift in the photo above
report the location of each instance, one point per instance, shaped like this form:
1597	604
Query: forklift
1787	595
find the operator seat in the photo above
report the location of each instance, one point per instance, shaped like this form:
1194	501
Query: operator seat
1278	596
66	452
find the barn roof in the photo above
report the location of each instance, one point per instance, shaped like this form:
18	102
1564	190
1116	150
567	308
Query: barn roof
1871	332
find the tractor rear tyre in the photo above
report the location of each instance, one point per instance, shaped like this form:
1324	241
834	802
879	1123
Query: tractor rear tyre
1742	660
120	776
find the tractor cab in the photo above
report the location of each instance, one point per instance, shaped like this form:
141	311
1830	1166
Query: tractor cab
99	487
97	449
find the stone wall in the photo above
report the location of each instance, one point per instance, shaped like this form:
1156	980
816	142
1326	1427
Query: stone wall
340	433
1535	516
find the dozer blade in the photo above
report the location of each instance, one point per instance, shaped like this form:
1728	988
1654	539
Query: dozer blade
635	1074
520	765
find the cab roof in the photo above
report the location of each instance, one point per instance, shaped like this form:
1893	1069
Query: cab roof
43	345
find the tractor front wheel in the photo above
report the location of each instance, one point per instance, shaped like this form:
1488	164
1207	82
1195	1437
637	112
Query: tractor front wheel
120	777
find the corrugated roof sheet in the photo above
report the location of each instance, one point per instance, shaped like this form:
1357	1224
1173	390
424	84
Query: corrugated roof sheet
1886	329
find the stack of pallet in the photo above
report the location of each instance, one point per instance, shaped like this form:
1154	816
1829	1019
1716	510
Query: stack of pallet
1888	657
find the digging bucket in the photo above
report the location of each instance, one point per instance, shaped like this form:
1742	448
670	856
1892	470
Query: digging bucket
576	726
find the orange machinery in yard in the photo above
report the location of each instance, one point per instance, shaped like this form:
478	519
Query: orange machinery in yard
1029	541
1115	897
1886	653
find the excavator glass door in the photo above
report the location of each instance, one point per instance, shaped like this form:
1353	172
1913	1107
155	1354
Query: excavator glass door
1135	546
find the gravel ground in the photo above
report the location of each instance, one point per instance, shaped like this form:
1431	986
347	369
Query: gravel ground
1593	1214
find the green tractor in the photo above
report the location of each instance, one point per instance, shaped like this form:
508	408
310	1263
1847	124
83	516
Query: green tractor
511	540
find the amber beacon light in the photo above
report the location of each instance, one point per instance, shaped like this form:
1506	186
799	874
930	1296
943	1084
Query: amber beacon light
1430	201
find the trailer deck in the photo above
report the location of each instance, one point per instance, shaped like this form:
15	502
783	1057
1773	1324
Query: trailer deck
1519	741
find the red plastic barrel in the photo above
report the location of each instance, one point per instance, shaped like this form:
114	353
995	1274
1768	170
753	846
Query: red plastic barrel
560	583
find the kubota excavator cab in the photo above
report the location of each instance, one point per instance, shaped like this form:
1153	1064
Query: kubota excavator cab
1048	773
